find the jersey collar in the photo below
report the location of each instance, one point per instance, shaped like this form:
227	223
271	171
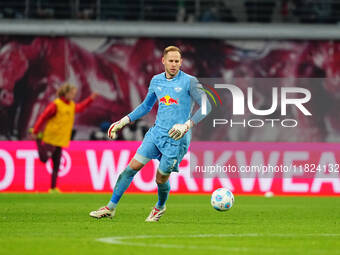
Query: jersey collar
65	100
175	78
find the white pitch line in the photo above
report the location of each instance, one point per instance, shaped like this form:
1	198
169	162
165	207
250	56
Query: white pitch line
122	240
118	242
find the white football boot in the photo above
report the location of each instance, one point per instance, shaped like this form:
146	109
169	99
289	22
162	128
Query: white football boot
103	212
155	214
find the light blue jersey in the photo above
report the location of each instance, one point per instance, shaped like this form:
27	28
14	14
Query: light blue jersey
176	98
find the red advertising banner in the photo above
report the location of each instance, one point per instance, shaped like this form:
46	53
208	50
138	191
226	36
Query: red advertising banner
95	166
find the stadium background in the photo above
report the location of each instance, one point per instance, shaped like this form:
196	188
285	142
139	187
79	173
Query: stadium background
94	54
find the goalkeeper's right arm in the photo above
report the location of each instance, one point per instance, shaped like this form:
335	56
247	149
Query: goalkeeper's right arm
139	112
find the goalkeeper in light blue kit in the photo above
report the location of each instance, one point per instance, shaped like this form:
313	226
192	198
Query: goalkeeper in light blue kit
168	140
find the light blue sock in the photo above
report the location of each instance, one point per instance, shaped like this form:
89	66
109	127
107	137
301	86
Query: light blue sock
163	193
123	182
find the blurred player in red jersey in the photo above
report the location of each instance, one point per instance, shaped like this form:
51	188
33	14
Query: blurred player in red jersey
59	118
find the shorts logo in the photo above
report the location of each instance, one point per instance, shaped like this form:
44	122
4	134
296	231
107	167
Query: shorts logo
167	100
174	164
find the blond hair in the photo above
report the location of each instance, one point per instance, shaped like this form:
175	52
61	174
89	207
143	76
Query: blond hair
172	48
65	88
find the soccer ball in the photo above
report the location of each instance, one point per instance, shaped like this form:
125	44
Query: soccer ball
222	199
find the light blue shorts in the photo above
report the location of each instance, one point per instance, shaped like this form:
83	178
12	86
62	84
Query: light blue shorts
158	145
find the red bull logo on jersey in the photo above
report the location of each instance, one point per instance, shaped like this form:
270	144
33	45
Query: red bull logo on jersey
167	100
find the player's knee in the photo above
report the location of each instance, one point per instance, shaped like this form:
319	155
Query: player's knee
161	179
136	165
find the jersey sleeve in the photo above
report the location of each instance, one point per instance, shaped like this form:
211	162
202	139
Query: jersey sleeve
48	113
81	106
197	93
145	107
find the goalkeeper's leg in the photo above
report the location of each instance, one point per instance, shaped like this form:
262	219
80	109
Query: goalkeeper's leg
123	182
163	185
147	151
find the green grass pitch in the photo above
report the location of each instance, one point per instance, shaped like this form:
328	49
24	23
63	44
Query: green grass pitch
59	224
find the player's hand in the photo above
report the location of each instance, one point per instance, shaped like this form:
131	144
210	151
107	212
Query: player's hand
34	136
179	130
115	127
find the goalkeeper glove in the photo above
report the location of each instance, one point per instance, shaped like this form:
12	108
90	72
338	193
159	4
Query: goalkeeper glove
179	130
115	127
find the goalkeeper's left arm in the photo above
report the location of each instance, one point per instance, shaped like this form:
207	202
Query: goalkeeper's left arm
196	93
